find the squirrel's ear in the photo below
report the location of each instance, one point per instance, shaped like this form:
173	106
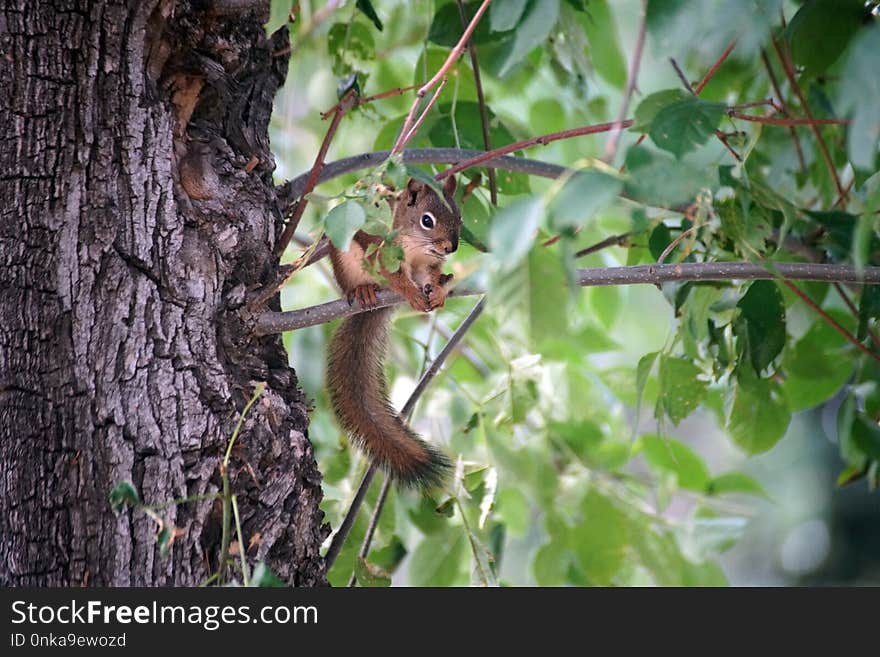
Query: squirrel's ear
413	189
449	185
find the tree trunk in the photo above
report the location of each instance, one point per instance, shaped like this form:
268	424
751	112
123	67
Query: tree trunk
138	211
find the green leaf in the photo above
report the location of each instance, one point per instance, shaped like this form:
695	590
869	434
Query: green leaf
759	414
371	576
446	28
588	444
426	518
350	45
124	494
513	507
532	30
816	366
652	104
704	537
342	222
438	560
605	53
670	455
264	577
164	539
865	435
717	23
483	572
762	309
369	11
548	296
820	31
681	392
735	482
685	125
512	232
551	564
658	179
859	97
504	15
600	539
389	557
643	371
582	196
468	127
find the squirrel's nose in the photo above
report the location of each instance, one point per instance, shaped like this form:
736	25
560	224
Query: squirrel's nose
450	246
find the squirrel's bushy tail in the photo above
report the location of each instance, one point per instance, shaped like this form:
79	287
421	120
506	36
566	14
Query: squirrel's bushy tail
358	392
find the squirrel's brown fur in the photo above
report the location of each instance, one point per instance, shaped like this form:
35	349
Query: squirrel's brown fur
355	373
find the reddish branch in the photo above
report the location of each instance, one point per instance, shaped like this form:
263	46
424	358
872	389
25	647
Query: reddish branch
830	320
714	68
541	140
370	99
408	130
345	104
823	148
769	120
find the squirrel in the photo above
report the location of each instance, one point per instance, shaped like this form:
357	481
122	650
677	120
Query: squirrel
428	230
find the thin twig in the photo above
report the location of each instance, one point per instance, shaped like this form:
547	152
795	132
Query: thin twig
770	120
833	323
614	240
424	113
631	79
246	580
277	322
855	311
407	132
466	352
224	476
723	139
714	68
823	148
674	243
369	99
785	111
681	76
346	104
371	528
541	140
481	101
347	522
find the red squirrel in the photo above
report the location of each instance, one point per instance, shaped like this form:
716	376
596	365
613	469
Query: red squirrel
428	230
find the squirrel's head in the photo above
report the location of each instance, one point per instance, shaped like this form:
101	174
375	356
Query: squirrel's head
426	221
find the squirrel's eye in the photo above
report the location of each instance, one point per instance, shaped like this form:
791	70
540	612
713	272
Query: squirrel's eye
427	221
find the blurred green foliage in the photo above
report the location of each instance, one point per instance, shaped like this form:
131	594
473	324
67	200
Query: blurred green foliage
598	431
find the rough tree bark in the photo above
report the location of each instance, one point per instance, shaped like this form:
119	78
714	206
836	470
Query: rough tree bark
138	211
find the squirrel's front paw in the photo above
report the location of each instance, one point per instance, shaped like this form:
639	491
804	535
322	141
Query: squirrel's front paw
436	295
365	295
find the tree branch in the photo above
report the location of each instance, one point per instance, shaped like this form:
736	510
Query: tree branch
632	77
290	191
541	140
277	322
715	67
